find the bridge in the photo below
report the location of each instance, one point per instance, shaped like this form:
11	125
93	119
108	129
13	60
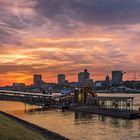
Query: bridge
27	97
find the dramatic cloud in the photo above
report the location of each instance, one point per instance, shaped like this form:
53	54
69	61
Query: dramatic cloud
66	36
93	12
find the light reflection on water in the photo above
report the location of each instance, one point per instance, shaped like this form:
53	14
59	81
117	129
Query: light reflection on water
77	126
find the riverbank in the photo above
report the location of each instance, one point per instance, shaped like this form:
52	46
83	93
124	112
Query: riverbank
10	130
14	128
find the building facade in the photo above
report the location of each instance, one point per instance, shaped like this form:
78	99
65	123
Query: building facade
37	80
61	79
117	77
83	76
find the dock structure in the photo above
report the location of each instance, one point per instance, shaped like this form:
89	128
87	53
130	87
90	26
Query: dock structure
124	103
118	113
26	97
120	107
110	106
88	103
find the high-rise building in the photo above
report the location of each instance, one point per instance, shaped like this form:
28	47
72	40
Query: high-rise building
37	81
83	76
117	77
61	79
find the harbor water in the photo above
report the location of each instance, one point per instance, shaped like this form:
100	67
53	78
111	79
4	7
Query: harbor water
77	125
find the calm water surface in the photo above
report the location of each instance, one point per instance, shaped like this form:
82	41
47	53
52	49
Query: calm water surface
78	126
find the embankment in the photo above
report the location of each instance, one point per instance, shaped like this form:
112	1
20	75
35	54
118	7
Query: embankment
39	130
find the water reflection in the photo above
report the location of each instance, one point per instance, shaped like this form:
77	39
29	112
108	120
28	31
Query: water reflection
85	118
76	125
79	116
34	110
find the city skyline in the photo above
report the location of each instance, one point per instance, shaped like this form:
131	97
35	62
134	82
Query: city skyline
66	36
38	79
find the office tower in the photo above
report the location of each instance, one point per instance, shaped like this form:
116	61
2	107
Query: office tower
117	77
37	81
83	76
19	86
61	79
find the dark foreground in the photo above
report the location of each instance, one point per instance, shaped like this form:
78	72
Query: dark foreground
10	130
14	128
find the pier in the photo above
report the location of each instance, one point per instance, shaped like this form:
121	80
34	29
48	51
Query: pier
25	97
109	106
122	103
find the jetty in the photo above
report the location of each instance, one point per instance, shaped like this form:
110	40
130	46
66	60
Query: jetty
84	100
120	107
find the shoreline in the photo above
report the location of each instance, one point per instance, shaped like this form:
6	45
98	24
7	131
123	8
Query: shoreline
42	131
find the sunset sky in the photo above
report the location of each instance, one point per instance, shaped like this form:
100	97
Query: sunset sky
66	36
